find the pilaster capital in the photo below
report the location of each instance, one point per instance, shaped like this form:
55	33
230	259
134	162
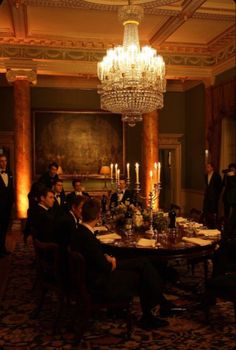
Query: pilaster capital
13	74
208	82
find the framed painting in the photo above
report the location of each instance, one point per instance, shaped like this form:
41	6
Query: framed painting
80	142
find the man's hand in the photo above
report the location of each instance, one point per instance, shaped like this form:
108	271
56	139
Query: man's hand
111	260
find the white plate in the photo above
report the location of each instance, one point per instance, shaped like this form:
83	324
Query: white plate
107	240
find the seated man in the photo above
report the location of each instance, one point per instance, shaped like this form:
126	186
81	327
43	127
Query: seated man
78	191
41	217
123	195
68	223
59	205
50	176
114	279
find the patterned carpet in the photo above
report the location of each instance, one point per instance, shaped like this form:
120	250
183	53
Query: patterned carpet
185	332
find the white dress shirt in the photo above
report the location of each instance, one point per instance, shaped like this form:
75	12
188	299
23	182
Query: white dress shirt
4	176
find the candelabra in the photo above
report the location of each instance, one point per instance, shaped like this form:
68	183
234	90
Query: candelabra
152	198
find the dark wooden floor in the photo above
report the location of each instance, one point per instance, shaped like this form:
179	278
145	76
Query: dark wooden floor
5	263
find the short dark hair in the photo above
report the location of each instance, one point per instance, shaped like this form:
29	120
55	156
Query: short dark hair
56	181
76	201
74	181
232	165
43	192
90	210
53	164
123	178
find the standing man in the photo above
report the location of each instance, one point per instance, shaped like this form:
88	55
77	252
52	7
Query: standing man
213	187
59	205
123	195
78	191
49	178
6	201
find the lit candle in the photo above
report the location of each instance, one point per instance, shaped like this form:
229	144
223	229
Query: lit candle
128	171
137	172
116	168
111	166
118	176
169	158
151	180
206	155
158	172
155	173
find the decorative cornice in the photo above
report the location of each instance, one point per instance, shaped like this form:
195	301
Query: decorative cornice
47	53
21	74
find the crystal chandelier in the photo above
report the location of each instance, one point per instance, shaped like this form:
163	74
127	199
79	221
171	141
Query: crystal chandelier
132	79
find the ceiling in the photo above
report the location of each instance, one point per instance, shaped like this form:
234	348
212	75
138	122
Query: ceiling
64	39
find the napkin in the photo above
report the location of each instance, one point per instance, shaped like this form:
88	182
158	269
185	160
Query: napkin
209	233
109	236
180	219
100	228
196	241
144	242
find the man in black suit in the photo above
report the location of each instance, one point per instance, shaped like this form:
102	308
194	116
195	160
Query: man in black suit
78	191
6	201
123	195
50	176
59	205
42	218
213	187
118	279
68	223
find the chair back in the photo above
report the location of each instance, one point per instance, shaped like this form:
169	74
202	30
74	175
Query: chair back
47	261
77	270
195	215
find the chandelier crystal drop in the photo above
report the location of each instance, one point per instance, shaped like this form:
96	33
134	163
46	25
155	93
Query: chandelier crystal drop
132	79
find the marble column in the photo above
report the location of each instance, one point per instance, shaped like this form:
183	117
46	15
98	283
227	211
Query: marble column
149	149
21	81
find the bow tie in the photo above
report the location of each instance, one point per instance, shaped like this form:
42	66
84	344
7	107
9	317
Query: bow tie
3	172
57	195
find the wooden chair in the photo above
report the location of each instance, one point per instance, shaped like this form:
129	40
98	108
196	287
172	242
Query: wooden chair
86	304
196	215
49	277
223	287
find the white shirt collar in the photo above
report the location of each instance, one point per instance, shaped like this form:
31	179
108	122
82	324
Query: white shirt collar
75	218
88	227
43	206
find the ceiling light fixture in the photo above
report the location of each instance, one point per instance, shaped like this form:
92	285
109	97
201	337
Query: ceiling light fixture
132	79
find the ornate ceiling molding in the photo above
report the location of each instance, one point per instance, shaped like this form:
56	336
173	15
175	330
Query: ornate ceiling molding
78	55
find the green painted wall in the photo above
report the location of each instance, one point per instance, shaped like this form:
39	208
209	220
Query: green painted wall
6	108
227	75
173	118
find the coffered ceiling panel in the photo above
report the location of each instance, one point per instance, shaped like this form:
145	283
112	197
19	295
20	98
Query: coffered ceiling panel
197	31
84	24
195	37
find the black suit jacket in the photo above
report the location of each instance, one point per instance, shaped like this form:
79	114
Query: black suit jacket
212	193
128	195
97	267
73	195
43	224
65	227
59	209
6	195
47	180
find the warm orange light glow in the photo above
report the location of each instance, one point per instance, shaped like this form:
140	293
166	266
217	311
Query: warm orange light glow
22	190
